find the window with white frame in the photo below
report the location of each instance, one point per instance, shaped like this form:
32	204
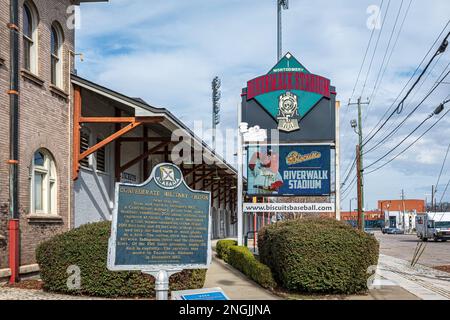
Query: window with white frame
56	57
43	183
30	37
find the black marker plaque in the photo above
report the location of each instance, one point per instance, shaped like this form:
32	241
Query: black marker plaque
160	224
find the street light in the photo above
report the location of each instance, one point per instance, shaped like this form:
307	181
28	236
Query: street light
354	124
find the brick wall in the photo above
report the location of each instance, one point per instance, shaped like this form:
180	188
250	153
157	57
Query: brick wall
397	205
44	122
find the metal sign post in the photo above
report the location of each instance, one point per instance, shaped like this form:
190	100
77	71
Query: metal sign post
162	282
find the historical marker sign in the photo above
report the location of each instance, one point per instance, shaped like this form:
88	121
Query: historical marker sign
161	224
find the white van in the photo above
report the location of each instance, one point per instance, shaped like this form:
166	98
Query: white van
433	225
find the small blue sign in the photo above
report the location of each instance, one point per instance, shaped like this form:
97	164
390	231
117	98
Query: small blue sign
289	170
205	296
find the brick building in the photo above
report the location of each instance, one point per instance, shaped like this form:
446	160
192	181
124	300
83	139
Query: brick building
402	205
75	138
43	126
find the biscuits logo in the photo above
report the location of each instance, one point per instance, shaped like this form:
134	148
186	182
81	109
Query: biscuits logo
295	157
288	112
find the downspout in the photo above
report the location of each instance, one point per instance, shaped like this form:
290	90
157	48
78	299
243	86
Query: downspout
13	162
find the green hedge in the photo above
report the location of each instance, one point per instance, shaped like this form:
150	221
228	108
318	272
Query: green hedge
316	255
242	259
87	247
223	248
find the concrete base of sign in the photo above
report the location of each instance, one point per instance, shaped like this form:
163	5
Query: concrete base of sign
162	282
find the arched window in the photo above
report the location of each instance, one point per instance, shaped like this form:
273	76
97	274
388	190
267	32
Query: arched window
56	55
43	183
30	47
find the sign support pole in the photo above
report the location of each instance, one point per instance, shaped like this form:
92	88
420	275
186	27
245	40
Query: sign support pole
240	180
161	282
337	163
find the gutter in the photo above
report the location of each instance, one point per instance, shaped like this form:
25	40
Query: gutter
13	225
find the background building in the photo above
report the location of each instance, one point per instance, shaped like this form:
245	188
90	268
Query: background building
400	205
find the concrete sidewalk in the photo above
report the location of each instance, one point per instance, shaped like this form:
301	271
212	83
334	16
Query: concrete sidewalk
422	281
235	284
239	287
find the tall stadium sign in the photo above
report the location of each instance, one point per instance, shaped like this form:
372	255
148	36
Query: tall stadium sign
301	105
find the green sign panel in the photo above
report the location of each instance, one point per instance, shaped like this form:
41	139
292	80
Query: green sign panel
161	224
288	92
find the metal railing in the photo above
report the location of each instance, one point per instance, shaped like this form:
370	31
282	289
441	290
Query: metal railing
246	240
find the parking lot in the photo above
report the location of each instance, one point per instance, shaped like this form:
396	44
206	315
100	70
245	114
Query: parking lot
403	246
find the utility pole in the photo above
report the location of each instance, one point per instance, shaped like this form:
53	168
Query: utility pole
359	159
359	183
403	203
281	4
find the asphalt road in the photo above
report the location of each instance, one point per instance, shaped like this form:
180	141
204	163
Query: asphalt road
403	246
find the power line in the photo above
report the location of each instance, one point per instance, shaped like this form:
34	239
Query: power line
372	134
400	106
364	58
404	139
382	71
375	49
365	55
442	168
393	124
410	114
351	167
346	192
409	146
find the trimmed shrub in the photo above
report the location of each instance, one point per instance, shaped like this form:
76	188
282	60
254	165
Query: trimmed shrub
223	248
87	247
242	259
318	255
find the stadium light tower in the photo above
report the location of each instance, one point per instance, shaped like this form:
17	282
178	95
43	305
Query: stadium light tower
216	95
281	4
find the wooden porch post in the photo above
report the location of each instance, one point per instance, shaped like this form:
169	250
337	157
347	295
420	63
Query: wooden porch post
117	149
145	160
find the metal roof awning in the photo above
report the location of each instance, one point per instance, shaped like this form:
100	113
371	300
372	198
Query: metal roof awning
139	108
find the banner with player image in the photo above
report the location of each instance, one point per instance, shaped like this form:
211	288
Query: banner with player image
288	170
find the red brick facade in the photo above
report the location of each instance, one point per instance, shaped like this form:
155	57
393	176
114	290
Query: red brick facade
44	122
397	205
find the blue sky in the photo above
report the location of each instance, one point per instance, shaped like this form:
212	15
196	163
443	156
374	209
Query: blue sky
167	52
